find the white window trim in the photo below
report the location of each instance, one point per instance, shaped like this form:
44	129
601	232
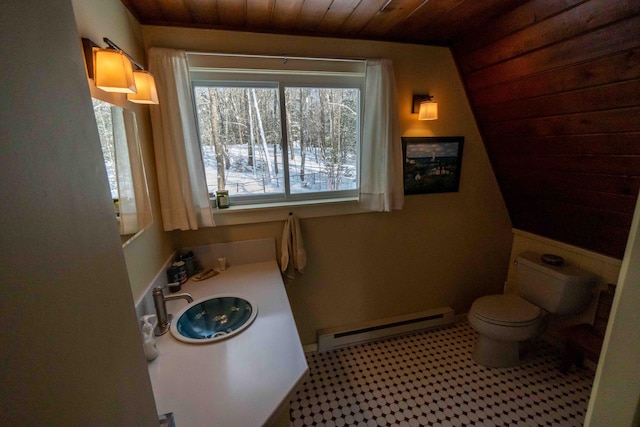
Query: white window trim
298	72
268	212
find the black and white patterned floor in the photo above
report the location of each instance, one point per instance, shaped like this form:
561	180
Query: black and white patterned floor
429	379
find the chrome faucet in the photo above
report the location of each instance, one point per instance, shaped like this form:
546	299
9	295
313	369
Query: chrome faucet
159	300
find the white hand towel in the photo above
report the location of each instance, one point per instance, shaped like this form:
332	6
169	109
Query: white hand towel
294	256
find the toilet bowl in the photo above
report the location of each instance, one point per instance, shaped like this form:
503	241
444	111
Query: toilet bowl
503	321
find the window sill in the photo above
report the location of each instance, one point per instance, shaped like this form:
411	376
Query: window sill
266	212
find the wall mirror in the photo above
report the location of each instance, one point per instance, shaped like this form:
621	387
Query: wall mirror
118	132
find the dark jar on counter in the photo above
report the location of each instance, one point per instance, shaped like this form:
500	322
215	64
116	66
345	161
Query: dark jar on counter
177	273
222	199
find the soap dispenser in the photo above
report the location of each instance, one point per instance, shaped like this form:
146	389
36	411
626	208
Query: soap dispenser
149	339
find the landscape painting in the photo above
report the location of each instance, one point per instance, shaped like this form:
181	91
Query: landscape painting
432	164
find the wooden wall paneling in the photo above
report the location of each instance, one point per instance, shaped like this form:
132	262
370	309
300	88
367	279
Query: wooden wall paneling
622	36
596	144
560	212
626	119
578	20
515	20
576	163
575	226
512	176
583	196
556	100
469	17
616	67
605	97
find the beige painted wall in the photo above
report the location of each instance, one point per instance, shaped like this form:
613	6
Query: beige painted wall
146	254
441	249
70	350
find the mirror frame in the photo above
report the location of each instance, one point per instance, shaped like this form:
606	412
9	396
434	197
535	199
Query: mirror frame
138	172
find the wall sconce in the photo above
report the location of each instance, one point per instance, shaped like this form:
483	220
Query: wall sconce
146	86
113	70
426	109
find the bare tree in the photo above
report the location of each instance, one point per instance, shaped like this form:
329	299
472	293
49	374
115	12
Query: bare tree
262	136
252	143
215	136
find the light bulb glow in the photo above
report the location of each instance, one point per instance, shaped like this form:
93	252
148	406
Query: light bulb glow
428	111
146	85
113	71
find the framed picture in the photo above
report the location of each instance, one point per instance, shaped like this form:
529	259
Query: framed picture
432	164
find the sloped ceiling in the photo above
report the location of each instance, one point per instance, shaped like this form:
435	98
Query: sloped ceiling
436	22
554	85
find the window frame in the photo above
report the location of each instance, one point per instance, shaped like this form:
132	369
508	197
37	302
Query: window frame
266	77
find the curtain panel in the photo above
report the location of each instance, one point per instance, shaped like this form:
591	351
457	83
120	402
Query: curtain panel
184	198
381	185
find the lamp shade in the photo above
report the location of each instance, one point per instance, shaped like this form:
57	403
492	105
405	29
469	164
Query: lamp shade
428	111
113	71
146	85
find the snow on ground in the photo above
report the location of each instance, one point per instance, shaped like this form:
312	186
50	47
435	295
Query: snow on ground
243	179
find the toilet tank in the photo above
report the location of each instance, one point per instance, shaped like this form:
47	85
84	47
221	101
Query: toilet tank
566	289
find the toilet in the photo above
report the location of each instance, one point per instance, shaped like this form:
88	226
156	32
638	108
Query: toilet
504	321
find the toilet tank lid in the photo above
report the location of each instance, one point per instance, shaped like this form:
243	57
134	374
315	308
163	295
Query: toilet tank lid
566	272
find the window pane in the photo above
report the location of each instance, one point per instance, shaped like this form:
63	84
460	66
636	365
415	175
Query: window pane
240	139
102	111
322	129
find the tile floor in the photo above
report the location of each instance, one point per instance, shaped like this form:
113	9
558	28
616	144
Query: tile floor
429	379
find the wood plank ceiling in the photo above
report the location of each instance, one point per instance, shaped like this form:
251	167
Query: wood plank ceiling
554	85
435	22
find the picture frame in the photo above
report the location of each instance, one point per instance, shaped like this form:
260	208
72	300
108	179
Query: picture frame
432	164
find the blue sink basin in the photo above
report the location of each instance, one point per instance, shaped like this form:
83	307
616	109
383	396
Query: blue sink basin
214	318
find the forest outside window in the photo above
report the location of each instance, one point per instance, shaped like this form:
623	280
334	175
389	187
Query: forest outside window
278	132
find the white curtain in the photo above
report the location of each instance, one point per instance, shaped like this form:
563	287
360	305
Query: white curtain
381	185
184	198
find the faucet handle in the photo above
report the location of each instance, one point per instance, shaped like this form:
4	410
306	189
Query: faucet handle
173	287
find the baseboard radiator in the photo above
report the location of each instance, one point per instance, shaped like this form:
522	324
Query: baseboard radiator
329	339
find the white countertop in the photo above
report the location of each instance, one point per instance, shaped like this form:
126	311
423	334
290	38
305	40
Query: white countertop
240	381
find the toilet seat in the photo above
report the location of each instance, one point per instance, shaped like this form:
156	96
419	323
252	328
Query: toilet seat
506	310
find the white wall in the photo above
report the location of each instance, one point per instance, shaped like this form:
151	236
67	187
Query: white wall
70	350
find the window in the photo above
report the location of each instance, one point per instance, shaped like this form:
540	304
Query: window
274	130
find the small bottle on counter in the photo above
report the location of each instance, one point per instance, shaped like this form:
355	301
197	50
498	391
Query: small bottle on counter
222	199
148	337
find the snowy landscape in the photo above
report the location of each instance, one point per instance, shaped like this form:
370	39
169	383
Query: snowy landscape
242	179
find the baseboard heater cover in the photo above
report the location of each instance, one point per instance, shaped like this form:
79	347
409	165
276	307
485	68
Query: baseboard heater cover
329	339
